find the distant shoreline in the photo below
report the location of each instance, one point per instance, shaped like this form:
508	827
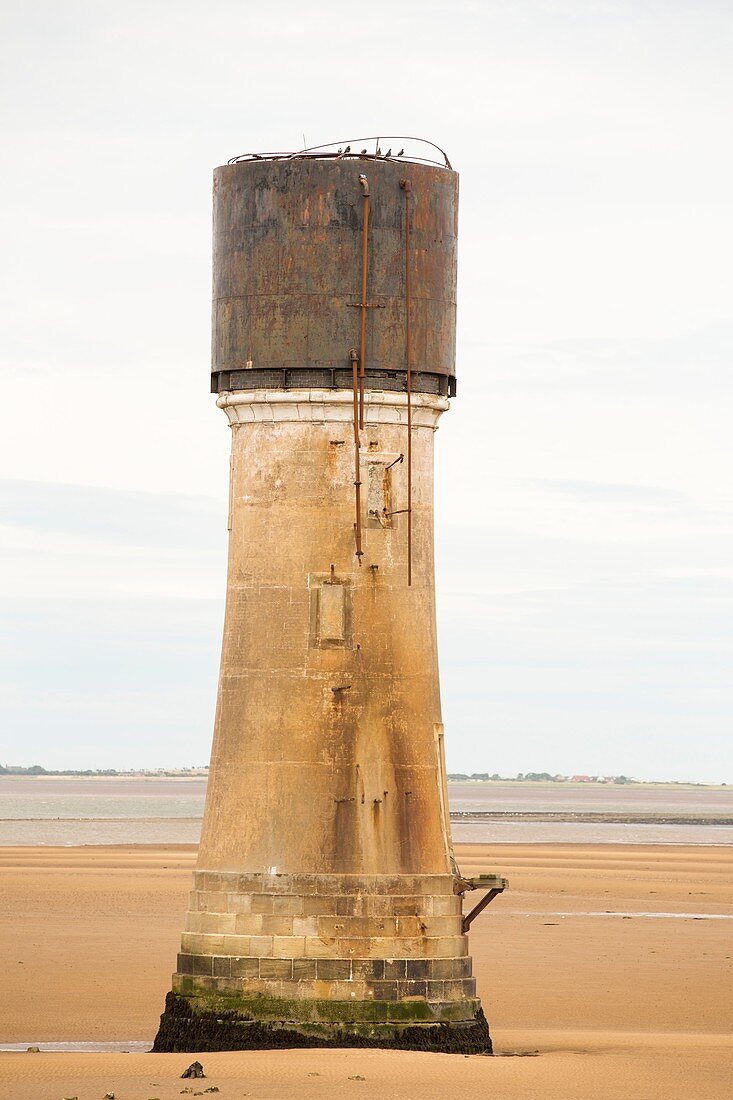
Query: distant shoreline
583	817
534	784
465	817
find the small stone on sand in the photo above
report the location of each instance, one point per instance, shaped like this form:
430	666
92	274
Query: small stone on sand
194	1070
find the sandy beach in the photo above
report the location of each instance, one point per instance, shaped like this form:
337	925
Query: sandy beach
605	971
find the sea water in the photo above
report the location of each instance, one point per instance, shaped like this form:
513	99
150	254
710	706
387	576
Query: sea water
73	811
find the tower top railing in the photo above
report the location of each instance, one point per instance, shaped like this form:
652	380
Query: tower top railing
381	147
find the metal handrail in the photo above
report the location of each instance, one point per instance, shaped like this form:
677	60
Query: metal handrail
338	150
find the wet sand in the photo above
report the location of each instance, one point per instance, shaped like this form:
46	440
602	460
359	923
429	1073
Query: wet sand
610	968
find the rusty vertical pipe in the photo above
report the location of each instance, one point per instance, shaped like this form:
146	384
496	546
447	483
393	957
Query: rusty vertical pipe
407	188
357	461
364	267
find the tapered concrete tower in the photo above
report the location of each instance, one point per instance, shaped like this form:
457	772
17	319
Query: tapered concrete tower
327	908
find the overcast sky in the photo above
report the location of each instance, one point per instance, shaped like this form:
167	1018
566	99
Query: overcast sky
584	495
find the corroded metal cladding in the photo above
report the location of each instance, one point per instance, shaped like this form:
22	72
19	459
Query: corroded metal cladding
287	284
327	907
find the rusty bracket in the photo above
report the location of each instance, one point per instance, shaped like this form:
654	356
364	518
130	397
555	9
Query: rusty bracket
493	884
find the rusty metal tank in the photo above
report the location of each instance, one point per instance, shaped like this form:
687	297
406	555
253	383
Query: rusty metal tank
288	249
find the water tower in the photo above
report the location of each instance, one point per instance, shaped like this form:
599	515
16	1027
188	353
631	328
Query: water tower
327	908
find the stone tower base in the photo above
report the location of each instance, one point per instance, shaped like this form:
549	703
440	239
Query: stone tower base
280	960
195	1025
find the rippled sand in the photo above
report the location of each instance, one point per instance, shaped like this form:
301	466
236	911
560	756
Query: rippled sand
607	967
